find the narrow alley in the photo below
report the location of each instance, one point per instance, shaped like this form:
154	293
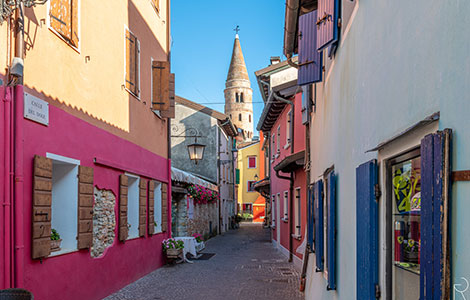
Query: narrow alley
245	266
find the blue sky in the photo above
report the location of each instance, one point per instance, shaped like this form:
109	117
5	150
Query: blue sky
202	40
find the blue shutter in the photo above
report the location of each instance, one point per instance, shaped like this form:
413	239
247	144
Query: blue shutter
366	231
331	198
327	23
310	60
435	210
319	225
310	216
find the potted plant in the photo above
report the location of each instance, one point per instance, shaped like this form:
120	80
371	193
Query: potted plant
198	237
55	240
172	248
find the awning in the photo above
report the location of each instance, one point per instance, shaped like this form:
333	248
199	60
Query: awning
263	187
186	177
291	162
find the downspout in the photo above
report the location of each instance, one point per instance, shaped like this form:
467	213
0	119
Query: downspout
7	192
218	180
18	156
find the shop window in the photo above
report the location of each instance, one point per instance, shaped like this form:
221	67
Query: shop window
65	201
252	162
251	186
286	206
157	196
133	206
297	214
405	173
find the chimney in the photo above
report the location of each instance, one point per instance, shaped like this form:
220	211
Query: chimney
275	60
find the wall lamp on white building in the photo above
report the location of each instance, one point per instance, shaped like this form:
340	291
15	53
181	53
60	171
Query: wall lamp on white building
195	150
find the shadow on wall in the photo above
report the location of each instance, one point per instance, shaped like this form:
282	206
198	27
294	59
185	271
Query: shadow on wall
207	167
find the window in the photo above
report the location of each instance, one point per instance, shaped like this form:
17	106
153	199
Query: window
286	205
132	80
250	186
405	172
298	214
133	206
273	211
157	196
65	201
64	20
249	118
273	138
288	127
278	142
241	97
237	98
252	162
239	117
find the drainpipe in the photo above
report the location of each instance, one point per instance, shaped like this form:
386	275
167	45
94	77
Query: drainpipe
218	180
7	192
18	156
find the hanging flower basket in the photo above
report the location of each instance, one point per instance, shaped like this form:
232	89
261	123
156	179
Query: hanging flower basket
202	195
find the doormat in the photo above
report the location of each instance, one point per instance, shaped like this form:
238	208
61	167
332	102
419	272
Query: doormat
205	256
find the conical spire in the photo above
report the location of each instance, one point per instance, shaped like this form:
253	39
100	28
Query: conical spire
237	68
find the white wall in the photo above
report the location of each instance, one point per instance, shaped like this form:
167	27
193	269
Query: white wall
399	63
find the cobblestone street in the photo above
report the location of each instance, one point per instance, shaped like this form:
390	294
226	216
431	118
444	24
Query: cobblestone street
245	266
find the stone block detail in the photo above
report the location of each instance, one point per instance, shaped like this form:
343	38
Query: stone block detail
104	221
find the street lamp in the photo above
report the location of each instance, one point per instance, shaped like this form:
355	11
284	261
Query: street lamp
256	177
196	151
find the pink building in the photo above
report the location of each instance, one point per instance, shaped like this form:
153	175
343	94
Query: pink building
84	147
281	122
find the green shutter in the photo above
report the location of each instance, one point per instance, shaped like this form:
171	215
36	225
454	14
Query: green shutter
237	176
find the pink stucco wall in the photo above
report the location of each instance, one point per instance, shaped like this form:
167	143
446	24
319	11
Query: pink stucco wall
280	185
77	275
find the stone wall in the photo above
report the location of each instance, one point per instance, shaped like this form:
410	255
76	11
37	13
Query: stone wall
199	218
104	221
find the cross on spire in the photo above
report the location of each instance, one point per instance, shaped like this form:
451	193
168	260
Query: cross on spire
237	29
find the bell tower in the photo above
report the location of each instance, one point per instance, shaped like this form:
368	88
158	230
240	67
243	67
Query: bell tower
238	93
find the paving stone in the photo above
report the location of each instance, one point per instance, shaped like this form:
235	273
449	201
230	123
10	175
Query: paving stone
246	266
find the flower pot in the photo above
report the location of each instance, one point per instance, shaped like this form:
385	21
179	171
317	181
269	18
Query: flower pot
173	253
55	245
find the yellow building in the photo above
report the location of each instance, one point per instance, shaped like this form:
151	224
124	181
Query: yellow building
248	166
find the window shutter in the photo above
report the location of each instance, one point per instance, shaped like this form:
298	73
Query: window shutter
331	202
164	207
131	62
60	17
310	216
327	23
151	207
123	186
319	225
170	113
310	60
435	210
85	207
74	28
366	231
42	201
142	206
161	85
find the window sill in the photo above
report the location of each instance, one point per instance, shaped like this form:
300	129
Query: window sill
157	113
77	49
62	252
297	236
131	93
277	155
273	226
285	219
286	146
